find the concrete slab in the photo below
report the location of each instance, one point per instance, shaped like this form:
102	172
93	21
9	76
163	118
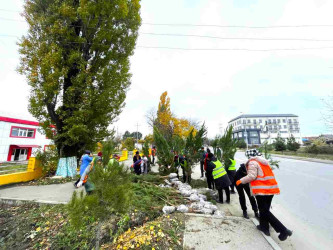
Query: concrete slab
228	233
55	193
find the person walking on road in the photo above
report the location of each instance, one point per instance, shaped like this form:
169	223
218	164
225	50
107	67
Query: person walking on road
240	173
231	171
220	177
263	186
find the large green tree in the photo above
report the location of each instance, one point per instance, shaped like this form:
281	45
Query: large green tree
76	60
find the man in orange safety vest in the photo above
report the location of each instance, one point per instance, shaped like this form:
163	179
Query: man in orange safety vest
263	186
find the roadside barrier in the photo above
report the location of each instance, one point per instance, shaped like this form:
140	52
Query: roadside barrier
34	171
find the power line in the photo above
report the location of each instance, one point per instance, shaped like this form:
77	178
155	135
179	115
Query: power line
202	49
239	38
224	38
241	26
232	49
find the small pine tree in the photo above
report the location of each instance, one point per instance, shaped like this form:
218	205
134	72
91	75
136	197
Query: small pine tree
112	194
193	143
164	153
229	147
292	144
265	148
280	144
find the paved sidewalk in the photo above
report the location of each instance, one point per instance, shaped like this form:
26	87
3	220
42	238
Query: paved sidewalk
53	194
209	233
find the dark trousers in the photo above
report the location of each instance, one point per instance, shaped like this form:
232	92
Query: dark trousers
266	217
227	192
240	190
202	168
210	181
153	161
232	187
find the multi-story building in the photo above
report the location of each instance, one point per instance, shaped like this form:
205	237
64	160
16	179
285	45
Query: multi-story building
258	128
19	139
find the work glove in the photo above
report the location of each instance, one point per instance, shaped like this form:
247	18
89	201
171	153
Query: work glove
238	183
79	184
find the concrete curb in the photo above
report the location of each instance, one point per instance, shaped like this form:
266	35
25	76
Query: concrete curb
269	239
17	201
303	158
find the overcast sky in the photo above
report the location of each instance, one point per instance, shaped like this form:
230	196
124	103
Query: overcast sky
210	85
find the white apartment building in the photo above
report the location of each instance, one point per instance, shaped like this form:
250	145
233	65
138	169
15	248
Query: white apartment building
19	139
258	128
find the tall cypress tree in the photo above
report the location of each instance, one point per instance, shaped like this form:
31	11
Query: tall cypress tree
76	60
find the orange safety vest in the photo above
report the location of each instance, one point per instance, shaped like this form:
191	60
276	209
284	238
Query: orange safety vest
265	184
153	151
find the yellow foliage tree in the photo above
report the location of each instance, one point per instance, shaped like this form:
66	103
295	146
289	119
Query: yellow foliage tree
170	124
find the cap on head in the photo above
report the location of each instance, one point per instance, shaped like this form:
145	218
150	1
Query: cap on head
87	152
252	153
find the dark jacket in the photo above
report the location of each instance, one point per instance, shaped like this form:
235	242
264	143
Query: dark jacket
221	182
240	173
136	158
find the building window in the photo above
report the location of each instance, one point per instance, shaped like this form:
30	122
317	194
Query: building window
22	132
289	120
278	120
253	134
284	120
260	121
284	126
274	120
244	121
248	121
254	121
269	121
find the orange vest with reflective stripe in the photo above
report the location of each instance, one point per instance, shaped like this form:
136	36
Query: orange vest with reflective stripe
265	184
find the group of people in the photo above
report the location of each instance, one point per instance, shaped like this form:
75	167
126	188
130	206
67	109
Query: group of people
255	178
141	165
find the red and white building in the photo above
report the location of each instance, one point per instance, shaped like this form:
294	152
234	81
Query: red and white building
19	139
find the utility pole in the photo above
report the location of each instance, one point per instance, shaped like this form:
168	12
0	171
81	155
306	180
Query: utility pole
137	132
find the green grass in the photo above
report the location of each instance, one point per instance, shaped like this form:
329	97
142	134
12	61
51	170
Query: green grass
305	155
50	226
12	168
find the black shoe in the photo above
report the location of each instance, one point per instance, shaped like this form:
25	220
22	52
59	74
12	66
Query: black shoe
220	202
266	232
284	235
256	214
232	192
245	215
227	201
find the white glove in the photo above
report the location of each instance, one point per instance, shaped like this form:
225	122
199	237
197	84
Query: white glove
79	184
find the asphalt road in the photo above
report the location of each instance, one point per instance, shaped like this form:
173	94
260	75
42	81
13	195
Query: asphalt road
306	201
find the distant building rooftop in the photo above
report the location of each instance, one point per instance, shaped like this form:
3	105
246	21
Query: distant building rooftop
262	115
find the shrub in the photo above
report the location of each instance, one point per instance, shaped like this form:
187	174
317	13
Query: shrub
314	149
280	144
241	143
49	160
128	143
292	144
